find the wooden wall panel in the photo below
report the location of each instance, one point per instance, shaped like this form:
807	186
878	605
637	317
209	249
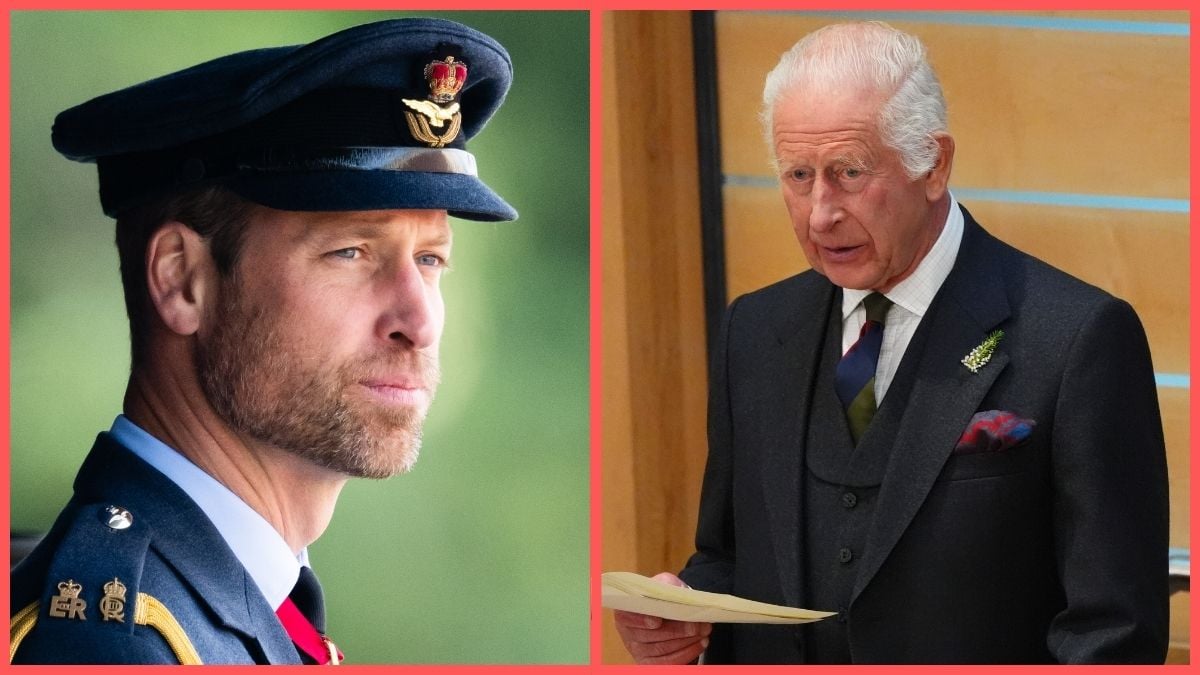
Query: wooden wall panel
655	362
1181	625
760	246
1113	15
617	456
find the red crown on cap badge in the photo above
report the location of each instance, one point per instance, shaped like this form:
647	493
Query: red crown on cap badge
446	78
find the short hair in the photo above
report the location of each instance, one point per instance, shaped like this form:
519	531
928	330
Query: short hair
869	54
215	213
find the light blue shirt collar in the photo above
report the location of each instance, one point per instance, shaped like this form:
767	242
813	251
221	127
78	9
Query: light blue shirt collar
257	545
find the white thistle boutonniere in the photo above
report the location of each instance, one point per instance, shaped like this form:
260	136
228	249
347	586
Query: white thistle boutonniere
979	356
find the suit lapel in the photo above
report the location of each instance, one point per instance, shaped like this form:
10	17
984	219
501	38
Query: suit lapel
221	581
945	394
799	330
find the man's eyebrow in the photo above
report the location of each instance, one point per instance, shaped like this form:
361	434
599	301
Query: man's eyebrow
332	230
329	229
851	160
442	237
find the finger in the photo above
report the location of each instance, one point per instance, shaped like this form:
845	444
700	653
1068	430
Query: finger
635	620
663	648
669	630
683	656
668	578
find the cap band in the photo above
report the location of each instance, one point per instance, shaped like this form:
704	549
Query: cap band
426	160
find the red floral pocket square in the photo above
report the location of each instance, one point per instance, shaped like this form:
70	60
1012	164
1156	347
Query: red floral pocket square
993	431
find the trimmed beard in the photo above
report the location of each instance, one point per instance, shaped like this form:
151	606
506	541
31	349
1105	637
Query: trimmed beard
303	404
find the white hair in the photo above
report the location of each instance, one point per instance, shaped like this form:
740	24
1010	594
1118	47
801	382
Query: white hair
870	55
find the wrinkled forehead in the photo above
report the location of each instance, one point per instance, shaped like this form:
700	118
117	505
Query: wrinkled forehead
818	109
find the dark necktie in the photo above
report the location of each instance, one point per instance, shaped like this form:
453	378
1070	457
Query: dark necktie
303	617
855	379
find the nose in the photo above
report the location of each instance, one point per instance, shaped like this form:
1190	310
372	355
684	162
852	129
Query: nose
414	312
826	205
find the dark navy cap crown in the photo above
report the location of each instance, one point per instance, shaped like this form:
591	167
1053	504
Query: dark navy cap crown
372	117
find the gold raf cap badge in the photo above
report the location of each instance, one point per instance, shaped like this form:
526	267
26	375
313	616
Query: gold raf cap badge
112	605
67	604
445	78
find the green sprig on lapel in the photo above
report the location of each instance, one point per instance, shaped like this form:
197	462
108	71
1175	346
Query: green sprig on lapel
980	355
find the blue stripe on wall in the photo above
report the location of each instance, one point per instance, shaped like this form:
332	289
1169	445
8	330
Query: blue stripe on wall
735	180
1173	380
1069	199
1017	21
1073	199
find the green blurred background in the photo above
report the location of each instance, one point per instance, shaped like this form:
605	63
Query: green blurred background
481	554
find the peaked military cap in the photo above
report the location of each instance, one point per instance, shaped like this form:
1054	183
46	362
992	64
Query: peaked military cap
372	117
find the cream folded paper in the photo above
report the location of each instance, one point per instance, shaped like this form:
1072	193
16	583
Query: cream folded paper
635	593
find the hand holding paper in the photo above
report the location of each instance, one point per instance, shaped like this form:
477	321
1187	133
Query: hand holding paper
635	593
652	640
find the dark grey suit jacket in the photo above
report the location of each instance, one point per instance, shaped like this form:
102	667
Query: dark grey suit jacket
1054	550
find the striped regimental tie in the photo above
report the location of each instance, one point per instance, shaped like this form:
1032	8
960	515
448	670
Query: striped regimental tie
855	379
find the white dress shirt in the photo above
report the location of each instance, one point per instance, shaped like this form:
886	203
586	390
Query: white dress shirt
255	542
910	300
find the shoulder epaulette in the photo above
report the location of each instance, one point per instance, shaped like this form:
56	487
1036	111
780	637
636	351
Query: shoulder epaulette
91	580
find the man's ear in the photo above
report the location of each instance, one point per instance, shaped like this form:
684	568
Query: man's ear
939	176
180	275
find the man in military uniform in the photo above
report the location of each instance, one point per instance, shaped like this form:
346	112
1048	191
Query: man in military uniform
282	225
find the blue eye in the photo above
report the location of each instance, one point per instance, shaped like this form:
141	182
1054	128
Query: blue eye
431	260
347	253
852	172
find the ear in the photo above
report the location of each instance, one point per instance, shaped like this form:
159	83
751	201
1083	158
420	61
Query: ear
939	176
179	275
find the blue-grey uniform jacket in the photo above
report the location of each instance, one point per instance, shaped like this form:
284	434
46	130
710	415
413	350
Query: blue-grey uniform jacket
134	572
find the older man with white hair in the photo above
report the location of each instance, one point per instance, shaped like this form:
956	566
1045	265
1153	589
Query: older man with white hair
953	445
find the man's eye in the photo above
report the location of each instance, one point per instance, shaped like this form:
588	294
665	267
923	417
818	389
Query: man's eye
347	253
851	172
431	260
799	174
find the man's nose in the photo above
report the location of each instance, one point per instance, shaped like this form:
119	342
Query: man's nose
826	205
414	308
